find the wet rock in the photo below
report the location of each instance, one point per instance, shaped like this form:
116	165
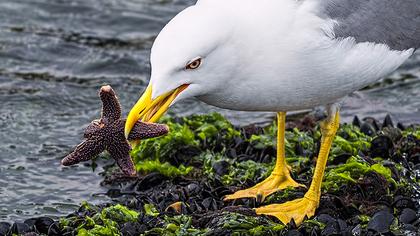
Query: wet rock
330	229
221	167
388	122
373	122
42	224
114	193
342	226
368	129
30	222
4	228
402	202
193	188
415	159
381	222
408	216
409	227
150	181
19	228
333	226
357	231
293	232
30	234
54	230
356	121
341	159
325	218
381	147
133	229
401	126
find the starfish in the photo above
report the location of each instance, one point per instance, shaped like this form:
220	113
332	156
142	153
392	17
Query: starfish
107	133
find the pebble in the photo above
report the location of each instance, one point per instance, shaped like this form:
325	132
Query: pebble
408	216
19	228
381	221
402	202
133	229
54	230
381	146
4	228
388	122
293	232
42	224
221	167
367	129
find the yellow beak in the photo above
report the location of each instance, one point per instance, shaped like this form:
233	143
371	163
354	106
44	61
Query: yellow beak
148	110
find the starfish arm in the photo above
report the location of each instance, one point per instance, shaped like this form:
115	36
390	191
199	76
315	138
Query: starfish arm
92	129
111	108
120	151
84	152
143	130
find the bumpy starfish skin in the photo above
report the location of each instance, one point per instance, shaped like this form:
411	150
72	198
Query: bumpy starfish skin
107	134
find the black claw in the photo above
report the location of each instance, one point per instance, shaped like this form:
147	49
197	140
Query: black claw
108	133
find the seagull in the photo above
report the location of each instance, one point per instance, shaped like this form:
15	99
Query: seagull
278	56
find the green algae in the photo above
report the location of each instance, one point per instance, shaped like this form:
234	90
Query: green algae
413	131
349	140
208	127
350	172
180	135
197	132
201	133
239	224
103	222
150	210
238	172
166	169
211	136
176	225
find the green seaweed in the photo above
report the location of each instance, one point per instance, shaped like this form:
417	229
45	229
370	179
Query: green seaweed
413	131
350	172
150	210
176	225
180	135
208	127
102	222
349	140
238	172
166	169
240	224
198	132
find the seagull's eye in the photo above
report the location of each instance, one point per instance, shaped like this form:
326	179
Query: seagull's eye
194	64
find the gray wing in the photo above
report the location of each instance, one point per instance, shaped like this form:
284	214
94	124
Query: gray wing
395	23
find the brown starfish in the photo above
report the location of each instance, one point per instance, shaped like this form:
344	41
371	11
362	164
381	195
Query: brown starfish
107	134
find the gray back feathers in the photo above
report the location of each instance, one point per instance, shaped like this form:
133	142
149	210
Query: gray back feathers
392	22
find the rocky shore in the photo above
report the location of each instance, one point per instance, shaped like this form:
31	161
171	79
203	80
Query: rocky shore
371	185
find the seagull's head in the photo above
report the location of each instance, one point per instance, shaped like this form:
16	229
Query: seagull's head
190	57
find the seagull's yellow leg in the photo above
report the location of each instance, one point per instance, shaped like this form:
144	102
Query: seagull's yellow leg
280	177
306	206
